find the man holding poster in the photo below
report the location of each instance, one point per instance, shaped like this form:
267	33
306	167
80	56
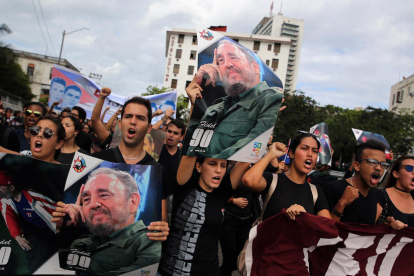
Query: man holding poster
249	108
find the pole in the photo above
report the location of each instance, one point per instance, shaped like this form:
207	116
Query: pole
61	46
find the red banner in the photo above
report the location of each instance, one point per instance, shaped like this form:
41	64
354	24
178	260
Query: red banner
321	246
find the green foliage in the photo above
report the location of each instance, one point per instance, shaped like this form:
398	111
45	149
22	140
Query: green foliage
12	77
44	100
154	90
303	112
183	109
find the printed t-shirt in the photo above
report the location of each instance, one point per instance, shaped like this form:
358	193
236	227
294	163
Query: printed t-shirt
192	245
288	193
361	210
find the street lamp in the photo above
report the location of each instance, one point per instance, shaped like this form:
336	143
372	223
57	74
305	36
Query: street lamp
63	39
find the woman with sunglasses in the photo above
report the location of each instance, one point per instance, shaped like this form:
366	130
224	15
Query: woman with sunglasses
396	200
33	112
292	191
47	137
72	128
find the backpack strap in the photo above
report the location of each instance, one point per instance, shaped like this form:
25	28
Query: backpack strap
314	193
118	156
384	214
269	194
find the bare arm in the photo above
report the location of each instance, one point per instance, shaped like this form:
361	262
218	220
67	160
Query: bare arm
237	173
8	151
112	119
253	178
349	195
167	115
185	170
104	113
97	124
53	106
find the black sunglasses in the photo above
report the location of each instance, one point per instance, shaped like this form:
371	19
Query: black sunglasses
36	113
374	163
409	168
47	132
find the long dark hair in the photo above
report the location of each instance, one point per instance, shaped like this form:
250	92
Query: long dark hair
61	133
398	163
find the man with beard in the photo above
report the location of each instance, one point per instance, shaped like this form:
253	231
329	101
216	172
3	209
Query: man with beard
355	199
249	109
109	202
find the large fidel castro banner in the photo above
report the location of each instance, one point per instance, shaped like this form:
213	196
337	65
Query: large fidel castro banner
71	88
314	245
240	101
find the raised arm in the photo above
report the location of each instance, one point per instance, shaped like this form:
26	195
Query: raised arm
104	113
185	170
253	178
167	115
237	173
112	119
97	124
54	104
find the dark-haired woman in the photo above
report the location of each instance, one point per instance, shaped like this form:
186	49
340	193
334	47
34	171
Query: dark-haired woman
72	128
197	216
292	192
397	196
46	139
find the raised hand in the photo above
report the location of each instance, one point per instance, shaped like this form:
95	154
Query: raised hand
194	91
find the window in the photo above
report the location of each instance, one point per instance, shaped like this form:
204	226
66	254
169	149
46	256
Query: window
276	49
393	99
194	40
269	47
256	46
398	97
176	68
236	40
51	71
190	70
267	62
173	83
178	53
275	63
187	83
30	72
181	39
193	55
402	96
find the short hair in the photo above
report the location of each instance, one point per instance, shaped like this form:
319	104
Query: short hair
126	179
44	110
297	139
248	55
58	80
369	144
397	164
66	109
73	87
61	133
81	111
139	100
76	123
168	102
179	124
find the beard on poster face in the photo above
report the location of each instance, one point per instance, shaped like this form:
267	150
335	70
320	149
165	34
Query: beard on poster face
101	223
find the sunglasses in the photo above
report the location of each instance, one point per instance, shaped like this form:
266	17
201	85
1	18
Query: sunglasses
409	168
374	163
36	113
47	132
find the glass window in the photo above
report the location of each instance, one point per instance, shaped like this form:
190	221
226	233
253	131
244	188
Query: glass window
275	63
176	68
269	47
173	83
30	72
276	49
190	70
181	39
256	46
194	40
193	55
178	53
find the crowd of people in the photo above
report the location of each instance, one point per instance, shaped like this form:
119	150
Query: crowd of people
207	201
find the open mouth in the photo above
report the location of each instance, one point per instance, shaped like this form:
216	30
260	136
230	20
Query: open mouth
38	146
308	164
169	140
216	179
32	121
131	132
375	177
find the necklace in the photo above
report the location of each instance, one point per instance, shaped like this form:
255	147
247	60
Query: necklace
401	190
133	158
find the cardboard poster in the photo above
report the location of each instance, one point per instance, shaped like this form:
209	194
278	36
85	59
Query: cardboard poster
118	201
240	101
325	153
72	88
29	191
362	136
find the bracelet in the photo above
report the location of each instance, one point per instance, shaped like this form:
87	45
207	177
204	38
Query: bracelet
336	213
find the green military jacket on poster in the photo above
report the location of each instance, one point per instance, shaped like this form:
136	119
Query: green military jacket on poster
231	124
123	251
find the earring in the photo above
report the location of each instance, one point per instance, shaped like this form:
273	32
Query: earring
199	171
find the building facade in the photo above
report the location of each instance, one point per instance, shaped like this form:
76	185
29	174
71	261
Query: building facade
39	69
182	55
290	28
402	94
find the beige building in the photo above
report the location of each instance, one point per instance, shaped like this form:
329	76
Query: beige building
402	94
39	69
287	28
182	58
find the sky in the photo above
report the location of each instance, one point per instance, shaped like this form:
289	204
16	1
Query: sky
352	51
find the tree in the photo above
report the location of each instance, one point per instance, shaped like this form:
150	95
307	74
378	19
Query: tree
154	90
12	77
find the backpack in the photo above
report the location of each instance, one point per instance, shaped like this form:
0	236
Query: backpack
241	259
